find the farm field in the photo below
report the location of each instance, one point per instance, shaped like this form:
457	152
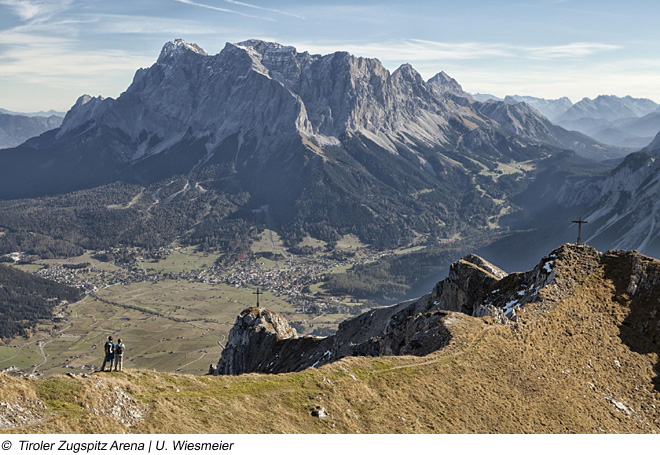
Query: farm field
181	260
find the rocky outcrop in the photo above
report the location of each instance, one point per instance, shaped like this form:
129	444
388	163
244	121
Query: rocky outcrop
467	284
262	341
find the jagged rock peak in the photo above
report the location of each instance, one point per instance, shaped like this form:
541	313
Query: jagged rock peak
266	46
255	330
173	49
467	284
263	341
407	71
87	108
84	99
446	83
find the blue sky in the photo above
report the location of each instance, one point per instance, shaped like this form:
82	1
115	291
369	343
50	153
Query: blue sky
52	51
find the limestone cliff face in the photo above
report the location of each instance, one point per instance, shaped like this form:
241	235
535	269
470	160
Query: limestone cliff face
468	279
262	341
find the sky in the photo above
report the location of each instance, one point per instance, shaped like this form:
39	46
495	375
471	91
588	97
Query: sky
53	51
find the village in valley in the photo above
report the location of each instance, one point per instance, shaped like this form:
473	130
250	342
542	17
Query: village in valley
174	306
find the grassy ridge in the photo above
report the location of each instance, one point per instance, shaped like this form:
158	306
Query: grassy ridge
568	371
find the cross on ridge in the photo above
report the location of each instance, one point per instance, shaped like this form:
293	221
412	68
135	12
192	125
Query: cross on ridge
258	293
580	222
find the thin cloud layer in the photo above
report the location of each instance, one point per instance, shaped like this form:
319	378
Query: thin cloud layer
222	10
248	5
424	50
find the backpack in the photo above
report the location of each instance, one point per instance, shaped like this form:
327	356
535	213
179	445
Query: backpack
108	347
119	349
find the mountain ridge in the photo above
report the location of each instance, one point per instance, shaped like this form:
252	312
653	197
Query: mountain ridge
584	363
262	341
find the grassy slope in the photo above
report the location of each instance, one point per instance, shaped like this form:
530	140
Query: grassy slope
559	373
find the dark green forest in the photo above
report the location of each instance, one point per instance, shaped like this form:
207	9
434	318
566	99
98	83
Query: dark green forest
25	299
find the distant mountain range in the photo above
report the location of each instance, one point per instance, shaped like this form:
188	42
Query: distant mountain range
320	145
16	129
35	114
618	121
552	109
619	202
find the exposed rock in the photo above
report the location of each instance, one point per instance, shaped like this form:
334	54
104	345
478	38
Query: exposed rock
258	342
117	403
24	411
620	406
319	412
469	280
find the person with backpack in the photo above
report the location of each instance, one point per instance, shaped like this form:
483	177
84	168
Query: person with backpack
109	348
119	355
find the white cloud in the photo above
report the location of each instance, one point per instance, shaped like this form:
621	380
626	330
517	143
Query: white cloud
149	25
411	50
25	10
568	50
31	10
56	62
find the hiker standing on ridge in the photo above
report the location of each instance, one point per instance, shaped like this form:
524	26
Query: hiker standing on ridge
119	355
109	348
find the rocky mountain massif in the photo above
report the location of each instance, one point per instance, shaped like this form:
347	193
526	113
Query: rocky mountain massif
327	145
16	129
580	355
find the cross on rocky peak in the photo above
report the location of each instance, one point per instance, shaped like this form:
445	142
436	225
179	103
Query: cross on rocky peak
258	293
580	222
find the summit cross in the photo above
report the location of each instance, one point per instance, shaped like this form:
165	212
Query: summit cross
258	293
580	222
